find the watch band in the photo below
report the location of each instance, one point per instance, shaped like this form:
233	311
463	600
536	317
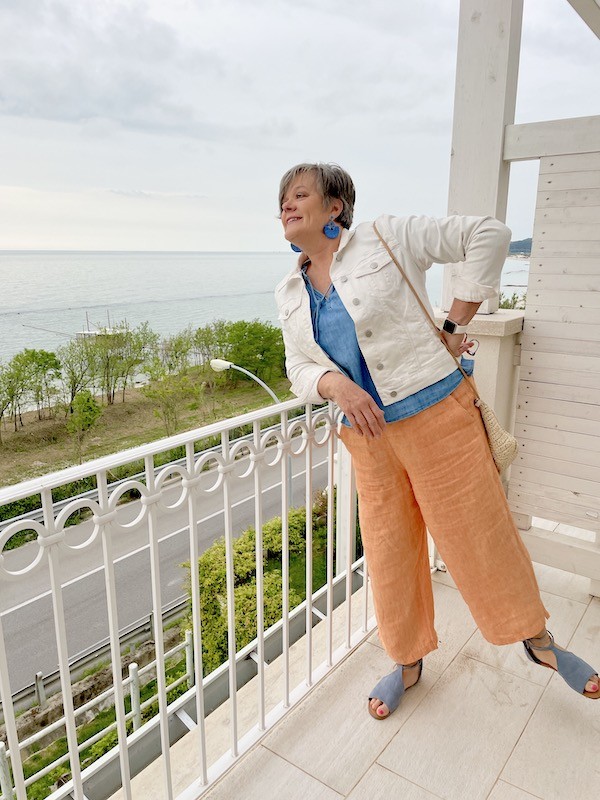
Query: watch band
453	327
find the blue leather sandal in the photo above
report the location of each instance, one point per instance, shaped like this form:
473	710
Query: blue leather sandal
574	670
391	688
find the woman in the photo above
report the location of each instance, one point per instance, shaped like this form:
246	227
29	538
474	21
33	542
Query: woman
355	334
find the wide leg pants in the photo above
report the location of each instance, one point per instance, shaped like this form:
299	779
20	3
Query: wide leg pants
434	470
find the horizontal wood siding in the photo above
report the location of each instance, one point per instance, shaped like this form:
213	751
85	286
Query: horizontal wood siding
557	472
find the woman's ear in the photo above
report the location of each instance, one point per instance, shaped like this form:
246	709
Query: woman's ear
337	206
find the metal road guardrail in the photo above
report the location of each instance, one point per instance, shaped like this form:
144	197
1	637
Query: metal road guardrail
45	686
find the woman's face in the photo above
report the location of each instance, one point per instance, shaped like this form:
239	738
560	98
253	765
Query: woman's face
302	211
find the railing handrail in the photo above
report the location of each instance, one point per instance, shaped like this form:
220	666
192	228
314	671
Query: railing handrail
38	514
70	474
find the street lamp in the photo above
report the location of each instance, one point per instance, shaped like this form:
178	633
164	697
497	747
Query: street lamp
220	365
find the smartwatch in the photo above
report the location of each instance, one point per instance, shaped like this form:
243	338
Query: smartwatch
453	327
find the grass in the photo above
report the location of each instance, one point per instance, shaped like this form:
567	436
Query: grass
43	446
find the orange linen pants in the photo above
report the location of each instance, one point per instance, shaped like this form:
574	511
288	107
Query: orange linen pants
435	470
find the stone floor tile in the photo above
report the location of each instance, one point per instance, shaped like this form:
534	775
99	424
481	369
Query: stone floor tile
263	774
565	584
558	755
461	734
331	734
586	640
381	784
453	623
565	616
504	791
443	577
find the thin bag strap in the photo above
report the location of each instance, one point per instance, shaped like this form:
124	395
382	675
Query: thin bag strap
438	333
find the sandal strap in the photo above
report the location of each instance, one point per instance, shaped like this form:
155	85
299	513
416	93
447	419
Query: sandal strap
573	670
539	646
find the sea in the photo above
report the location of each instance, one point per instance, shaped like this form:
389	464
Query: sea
48	297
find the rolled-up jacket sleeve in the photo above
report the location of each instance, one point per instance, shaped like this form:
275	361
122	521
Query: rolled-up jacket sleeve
478	247
303	373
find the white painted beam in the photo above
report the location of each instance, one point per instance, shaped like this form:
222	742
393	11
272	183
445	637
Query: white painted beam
551	138
563	552
489	41
589	11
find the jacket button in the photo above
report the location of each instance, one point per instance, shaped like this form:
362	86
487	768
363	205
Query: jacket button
286	313
344	279
338	257
394	394
368	333
374	265
356	301
380	365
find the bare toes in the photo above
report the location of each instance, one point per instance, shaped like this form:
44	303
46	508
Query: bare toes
379	708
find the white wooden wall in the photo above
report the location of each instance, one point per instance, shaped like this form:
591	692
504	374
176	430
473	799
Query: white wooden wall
557	473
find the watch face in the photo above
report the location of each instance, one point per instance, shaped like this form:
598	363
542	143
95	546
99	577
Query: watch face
449	327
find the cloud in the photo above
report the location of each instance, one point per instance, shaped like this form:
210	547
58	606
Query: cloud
226	71
143	194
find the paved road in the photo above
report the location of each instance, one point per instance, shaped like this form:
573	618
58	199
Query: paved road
26	605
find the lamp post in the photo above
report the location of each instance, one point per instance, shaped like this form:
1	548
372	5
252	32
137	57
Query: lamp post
220	365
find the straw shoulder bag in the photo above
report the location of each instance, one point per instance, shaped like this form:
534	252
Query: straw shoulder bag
503	445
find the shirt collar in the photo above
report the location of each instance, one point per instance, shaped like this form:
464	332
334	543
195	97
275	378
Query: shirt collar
345	238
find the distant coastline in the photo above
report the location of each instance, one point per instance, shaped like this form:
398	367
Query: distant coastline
520	249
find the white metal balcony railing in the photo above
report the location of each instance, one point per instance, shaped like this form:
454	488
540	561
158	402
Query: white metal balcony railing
204	473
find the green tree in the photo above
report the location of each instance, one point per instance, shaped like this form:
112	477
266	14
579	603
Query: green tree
43	372
211	341
84	415
76	361
117	353
175	351
16	386
515	301
169	393
4	396
139	352
258	347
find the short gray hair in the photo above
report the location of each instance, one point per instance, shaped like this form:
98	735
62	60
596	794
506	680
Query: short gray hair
333	183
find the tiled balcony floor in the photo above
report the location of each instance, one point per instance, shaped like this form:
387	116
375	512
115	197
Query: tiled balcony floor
482	723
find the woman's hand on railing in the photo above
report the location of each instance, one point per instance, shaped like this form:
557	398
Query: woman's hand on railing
362	412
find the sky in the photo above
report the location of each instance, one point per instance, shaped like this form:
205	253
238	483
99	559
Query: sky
154	125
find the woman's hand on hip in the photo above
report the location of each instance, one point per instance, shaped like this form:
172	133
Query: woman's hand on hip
458	343
361	410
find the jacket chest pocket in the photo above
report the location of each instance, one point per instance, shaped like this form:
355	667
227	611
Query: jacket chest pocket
288	308
290	316
377	276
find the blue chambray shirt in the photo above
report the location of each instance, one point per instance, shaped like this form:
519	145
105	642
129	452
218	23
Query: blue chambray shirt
335	333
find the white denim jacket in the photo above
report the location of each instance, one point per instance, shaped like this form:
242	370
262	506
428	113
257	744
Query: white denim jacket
401	350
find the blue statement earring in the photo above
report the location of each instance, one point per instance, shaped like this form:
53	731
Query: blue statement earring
295	249
331	230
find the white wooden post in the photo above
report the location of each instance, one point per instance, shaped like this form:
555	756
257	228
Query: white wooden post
489	41
189	658
40	690
134	693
